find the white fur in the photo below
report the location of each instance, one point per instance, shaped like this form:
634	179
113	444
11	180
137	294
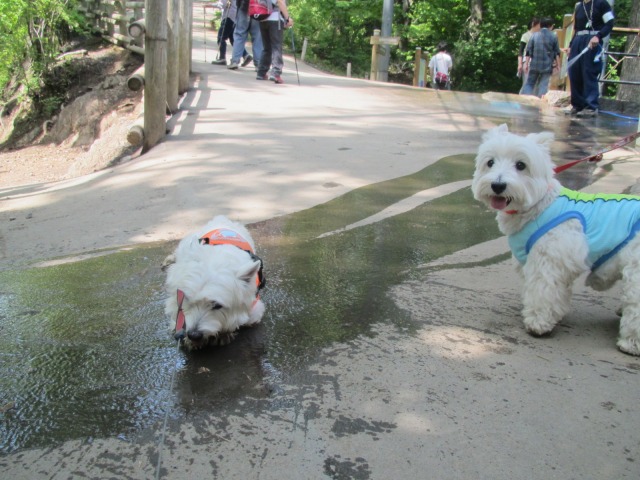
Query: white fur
522	166
219	286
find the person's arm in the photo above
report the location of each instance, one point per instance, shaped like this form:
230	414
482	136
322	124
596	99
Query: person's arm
607	19
521	58
284	11
528	54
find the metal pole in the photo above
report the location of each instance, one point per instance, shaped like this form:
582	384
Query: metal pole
383	50
293	47
204	22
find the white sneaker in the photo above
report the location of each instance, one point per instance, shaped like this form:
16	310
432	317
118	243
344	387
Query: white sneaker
233	66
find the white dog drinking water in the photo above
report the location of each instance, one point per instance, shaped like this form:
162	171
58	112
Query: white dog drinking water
556	234
213	280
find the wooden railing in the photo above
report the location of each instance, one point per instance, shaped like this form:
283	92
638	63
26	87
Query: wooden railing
161	31
421	68
565	34
111	19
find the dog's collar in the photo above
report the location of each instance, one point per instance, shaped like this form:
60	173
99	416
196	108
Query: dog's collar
511	212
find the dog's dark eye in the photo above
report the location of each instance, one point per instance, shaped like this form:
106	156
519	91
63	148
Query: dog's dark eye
521	166
490	163
215	306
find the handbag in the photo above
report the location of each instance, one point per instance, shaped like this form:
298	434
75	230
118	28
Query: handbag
442	77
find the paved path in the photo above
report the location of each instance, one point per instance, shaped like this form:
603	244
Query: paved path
464	393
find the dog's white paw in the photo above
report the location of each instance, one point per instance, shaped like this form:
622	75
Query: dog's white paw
538	327
629	345
256	313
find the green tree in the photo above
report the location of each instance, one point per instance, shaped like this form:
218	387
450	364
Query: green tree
484	35
31	32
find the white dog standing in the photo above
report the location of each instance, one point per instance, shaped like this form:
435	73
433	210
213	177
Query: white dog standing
213	280
556	234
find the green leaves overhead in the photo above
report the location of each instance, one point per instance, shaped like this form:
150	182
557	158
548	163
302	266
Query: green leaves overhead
484	49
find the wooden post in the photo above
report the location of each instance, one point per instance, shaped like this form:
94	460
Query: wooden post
374	57
349	70
376	41
416	66
173	54
564	38
304	49
184	46
155	60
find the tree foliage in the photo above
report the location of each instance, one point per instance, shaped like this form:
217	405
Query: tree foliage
483	35
31	32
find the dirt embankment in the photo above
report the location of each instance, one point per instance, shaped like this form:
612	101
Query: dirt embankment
87	134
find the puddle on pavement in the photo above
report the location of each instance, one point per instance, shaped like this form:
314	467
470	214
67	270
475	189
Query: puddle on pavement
85	348
86	352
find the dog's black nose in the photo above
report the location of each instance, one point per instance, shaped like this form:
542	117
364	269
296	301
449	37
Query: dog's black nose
194	335
498	187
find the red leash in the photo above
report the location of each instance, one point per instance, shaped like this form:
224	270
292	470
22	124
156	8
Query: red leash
596	157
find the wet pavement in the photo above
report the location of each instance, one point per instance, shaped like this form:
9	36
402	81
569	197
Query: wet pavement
392	345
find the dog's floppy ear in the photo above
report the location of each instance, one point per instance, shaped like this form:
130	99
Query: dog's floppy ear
499	130
248	272
544	139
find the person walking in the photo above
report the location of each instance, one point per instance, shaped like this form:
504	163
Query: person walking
439	66
272	31
593	22
245	26
534	26
543	55
225	32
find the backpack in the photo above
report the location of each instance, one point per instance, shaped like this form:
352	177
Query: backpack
260	9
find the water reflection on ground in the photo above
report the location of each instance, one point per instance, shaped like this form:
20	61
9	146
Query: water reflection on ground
86	350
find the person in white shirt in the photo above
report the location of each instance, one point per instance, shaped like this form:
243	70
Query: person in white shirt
439	66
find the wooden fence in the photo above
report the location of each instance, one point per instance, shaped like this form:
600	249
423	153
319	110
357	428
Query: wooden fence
160	30
421	68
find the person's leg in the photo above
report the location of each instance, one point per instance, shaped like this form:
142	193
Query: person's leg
277	37
529	87
543	84
265	59
256	41
227	33
591	86
240	34
576	73
230	30
220	59
524	82
226	30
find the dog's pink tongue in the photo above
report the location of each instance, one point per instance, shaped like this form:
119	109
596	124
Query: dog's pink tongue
498	203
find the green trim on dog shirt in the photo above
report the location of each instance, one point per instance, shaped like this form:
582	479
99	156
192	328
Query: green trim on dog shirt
609	222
